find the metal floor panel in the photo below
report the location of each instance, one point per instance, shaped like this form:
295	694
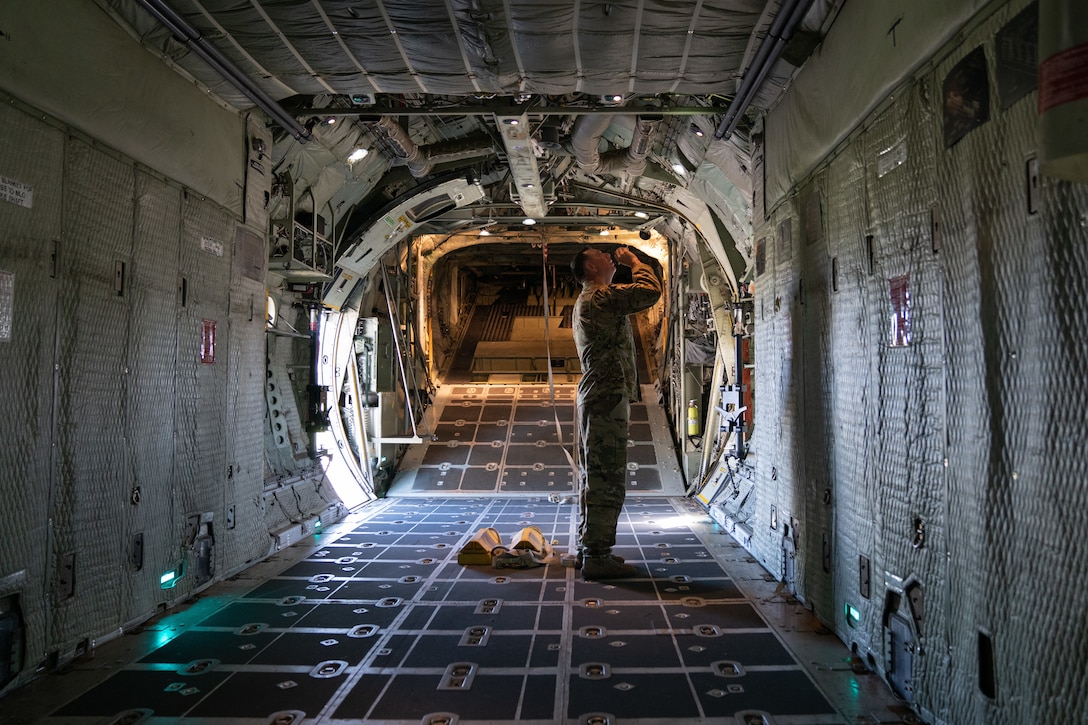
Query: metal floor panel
501	439
370	622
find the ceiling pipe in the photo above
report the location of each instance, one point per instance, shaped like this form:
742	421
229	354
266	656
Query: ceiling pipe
782	27
422	159
403	146
585	141
192	39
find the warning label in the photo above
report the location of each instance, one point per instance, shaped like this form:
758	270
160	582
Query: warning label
16	192
1063	77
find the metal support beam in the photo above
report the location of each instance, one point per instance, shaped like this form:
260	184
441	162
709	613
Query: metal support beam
506	110
527	188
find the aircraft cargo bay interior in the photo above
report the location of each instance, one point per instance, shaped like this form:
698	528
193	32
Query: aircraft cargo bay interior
479	362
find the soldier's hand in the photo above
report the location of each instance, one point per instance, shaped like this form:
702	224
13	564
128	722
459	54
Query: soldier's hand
625	256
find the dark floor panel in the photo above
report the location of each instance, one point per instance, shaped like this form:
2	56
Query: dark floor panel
613	616
453	453
644	480
539	480
461	617
756	649
434	479
596	645
370	630
267	693
410	697
532	455
277	589
780	693
480	479
377	590
168	693
350	615
520	422
658	695
500	650
459	431
483	454
304	648
274	615
229	649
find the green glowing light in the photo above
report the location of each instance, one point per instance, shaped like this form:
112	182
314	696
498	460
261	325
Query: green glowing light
853	616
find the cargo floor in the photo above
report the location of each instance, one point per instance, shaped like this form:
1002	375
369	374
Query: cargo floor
375	621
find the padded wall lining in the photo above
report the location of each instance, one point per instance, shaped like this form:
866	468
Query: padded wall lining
973	428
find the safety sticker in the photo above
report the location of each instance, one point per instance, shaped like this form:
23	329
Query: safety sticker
1063	77
16	192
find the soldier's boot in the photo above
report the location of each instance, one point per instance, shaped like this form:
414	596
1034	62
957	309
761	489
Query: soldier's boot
606	567
582	557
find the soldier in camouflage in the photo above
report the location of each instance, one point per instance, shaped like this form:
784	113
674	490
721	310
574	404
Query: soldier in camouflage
606	347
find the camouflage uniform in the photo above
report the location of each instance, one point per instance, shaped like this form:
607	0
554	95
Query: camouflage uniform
606	347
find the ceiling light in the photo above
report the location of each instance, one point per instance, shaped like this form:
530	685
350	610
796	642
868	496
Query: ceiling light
679	168
642	215
696	130
612	99
330	120
357	155
510	121
604	232
528	186
528	221
485	233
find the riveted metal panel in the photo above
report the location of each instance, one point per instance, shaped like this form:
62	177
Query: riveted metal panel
93	317
31	154
150	395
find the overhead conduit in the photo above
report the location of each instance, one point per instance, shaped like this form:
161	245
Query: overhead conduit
192	39
585	140
422	159
782	27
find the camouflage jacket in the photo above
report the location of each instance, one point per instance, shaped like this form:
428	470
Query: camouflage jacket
602	332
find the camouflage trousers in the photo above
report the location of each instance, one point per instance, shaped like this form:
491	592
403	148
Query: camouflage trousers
603	421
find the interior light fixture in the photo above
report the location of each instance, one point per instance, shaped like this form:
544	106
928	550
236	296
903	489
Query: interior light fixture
357	154
485	233
528	221
511	121
611	99
696	130
679	168
642	215
170	579
604	232
330	120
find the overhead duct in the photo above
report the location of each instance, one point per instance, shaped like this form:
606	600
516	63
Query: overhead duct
403	146
585	140
422	159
